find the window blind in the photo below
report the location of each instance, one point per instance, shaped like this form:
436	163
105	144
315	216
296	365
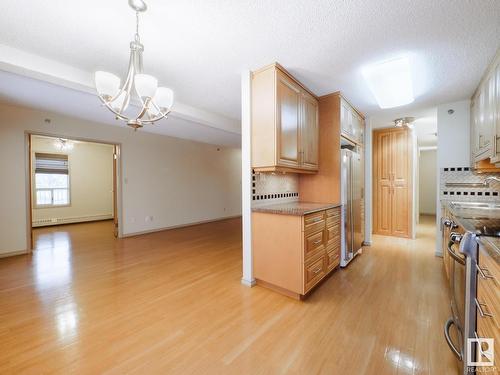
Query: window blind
51	163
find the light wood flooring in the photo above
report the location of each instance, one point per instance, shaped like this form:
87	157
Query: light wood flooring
172	303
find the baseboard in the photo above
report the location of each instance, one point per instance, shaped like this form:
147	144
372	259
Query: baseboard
70	220
438	254
367	243
14	253
133	234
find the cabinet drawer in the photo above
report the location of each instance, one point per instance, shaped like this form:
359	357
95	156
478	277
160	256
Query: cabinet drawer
488	297
333	212
332	259
332	235
314	272
333	221
314	222
314	243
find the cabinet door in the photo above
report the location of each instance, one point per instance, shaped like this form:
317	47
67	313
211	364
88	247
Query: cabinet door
496	128
357	127
309	132
288	122
345	118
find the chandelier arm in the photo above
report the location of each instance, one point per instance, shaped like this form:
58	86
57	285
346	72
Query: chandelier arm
108	106
144	108
154	119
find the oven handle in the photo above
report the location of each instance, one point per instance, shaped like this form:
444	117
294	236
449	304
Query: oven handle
447	326
453	254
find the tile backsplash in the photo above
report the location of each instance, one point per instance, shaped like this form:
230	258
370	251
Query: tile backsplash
268	188
465	193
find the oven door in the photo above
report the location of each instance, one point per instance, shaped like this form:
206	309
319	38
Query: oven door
455	337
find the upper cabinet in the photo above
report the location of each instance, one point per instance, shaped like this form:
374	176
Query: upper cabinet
285	130
351	122
485	119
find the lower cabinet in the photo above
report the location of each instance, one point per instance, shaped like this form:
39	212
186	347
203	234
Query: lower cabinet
292	254
488	302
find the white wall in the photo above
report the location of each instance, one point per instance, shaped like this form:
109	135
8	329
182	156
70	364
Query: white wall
453	149
427	182
91	181
175	181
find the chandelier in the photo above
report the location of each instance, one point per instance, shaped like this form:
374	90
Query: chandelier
156	102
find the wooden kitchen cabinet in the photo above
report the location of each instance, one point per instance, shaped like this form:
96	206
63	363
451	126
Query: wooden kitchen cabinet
485	120
284	123
292	253
351	122
488	299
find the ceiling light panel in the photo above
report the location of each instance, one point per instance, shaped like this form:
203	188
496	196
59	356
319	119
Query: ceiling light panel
390	82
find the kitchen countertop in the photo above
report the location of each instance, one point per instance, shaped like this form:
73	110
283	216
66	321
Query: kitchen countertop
294	208
491	245
469	218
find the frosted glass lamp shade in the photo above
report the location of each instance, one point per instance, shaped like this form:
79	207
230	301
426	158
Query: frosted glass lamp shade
107	84
118	102
164	98
145	85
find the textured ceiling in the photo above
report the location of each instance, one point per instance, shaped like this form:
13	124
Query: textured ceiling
200	47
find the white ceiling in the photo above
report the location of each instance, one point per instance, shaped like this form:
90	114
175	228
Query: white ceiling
200	47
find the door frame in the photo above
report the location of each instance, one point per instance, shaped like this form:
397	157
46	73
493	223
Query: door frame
411	182
117	181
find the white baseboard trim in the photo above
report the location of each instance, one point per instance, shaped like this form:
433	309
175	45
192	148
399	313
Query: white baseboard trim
14	253
249	283
70	220
438	254
133	234
367	243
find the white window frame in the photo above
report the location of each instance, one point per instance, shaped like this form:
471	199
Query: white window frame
35	189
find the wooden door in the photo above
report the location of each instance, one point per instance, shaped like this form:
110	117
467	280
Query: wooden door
400	184
288	122
309	135
392	182
383	183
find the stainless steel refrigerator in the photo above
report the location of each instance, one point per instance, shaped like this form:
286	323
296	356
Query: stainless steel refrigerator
352	192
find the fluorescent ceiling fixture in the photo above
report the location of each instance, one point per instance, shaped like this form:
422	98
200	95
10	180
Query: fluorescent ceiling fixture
390	82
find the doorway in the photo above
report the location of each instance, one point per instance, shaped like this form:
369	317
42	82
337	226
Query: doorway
427	182
72	182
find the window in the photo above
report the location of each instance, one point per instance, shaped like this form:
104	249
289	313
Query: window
51	180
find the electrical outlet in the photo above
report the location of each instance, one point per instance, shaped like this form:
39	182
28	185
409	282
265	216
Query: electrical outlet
132	219
148	218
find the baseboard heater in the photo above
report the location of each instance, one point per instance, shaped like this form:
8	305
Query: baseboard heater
69	220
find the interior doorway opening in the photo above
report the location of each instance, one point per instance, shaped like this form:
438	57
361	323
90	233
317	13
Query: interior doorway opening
71	182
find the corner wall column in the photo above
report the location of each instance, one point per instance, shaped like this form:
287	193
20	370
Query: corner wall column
246	178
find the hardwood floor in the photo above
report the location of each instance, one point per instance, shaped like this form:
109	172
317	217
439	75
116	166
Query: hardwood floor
172	303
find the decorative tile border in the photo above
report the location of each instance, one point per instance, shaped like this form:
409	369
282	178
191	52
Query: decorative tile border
464	193
270	188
